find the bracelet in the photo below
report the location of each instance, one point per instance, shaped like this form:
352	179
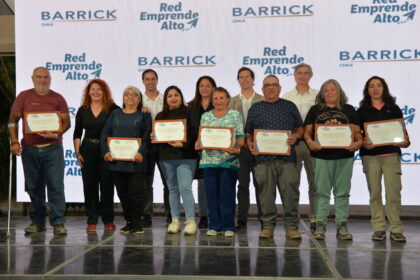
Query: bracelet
14	142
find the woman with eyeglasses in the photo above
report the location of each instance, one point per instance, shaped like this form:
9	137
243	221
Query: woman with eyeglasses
129	176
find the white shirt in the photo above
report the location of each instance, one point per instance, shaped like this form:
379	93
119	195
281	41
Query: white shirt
246	104
302	101
155	106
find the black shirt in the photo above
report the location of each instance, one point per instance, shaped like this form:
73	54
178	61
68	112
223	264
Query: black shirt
327	115
371	114
91	124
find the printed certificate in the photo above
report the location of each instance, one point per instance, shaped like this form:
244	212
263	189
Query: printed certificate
36	122
334	136
219	138
272	142
123	149
387	132
169	130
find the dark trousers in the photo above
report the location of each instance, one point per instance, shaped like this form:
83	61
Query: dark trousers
150	175
247	162
130	190
97	184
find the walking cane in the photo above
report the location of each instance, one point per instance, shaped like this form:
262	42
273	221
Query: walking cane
10	195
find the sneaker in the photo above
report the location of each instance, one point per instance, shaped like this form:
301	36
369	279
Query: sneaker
229	233
240	225
34	228
203	223
137	229
110	226
190	227
293	234
91	227
267	233
126	229
59	229
320	230
342	231
174	226
398	237
211	232
379	235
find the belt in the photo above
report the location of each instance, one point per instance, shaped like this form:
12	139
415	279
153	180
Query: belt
42	145
96	141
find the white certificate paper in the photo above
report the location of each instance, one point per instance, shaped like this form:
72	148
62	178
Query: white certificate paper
334	136
169	130
385	132
41	122
220	138
272	142
123	148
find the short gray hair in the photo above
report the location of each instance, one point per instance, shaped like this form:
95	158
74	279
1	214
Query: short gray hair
300	65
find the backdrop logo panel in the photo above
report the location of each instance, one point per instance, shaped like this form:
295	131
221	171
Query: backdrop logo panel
48	18
274	61
409	113
240	14
76	67
386	11
71	165
349	58
172	17
145	62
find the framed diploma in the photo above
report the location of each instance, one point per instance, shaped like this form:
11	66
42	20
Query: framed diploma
123	149
334	136
165	131
36	122
219	138
387	132
272	142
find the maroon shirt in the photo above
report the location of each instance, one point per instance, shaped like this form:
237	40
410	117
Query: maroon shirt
29	101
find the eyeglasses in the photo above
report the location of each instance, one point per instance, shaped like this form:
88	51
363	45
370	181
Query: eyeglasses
130	94
271	85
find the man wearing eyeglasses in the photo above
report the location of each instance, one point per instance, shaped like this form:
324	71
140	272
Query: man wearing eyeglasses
271	170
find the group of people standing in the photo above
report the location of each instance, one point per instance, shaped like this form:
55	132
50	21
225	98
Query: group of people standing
216	170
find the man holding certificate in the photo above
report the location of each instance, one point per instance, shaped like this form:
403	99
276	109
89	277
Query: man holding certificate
46	118
384	136
275	156
332	133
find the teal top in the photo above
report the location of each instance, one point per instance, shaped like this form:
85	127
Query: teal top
220	158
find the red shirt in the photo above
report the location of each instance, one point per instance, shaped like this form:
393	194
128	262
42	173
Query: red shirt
29	101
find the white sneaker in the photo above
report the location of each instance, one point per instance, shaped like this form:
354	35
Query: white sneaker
190	227
229	233
174	226
211	232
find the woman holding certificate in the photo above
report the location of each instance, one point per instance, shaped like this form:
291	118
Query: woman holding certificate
98	188
175	130
332	133
125	142
384	136
200	104
221	137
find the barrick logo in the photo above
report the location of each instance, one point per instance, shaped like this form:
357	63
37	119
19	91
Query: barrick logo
172	17
76	67
48	18
386	11
239	14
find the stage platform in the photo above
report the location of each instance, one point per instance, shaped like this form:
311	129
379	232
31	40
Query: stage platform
158	255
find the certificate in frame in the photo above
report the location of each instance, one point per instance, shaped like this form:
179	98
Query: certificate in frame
165	131
122	148
264	141
388	132
37	122
334	136
215	137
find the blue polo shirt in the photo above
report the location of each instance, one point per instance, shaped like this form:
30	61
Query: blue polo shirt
279	115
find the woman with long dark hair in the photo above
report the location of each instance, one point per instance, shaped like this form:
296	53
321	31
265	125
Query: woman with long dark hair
382	161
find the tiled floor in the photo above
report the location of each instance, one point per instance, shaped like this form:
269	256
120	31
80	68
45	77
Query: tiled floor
159	255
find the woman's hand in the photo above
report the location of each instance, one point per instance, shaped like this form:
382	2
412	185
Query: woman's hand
176	144
80	159
234	151
354	146
145	110
367	144
314	146
138	157
108	157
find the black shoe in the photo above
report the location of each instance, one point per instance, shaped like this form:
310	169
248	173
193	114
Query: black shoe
312	226
127	228
203	223
398	237
137	229
147	221
240	225
379	235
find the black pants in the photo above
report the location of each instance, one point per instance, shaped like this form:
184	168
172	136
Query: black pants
97	184
246	161
130	190
148	207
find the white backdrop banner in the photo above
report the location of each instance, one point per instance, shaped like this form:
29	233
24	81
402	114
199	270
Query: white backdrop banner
114	40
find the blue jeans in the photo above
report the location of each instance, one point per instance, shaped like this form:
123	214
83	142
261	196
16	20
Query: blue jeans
220	190
179	175
45	167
